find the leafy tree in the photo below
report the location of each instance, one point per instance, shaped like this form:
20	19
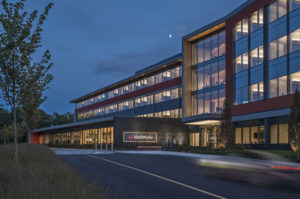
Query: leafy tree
35	79
294	124
18	42
62	118
44	119
5	118
11	63
226	135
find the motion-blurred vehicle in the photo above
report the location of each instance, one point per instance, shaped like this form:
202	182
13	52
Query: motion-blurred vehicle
265	169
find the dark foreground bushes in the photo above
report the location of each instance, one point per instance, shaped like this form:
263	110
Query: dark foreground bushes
40	174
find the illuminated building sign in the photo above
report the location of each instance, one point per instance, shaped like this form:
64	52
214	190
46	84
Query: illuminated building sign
139	137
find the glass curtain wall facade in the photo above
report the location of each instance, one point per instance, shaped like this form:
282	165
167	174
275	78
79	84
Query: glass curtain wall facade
266	53
266	64
205	137
176	113
139	84
254	134
249	58
85	136
208	74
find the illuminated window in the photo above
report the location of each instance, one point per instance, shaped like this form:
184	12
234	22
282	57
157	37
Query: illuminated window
246	135
215	74
278	87
222	43
278	48
241	29
277	10
207	76
167	74
295	41
222	72
295	82
257	91
274	134
257	56
238	136
257	20
241	63
283	134
208	48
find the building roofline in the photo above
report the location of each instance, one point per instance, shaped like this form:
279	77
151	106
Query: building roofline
73	125
159	64
138	74
218	21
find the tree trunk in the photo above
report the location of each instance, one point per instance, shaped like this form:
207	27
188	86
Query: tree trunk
3	135
30	124
15	133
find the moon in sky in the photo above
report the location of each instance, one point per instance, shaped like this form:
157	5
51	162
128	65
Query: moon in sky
170	36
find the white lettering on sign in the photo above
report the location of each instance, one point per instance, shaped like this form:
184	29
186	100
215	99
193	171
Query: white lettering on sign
139	137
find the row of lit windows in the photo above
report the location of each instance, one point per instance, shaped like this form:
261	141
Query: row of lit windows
168	95
277	87
176	113
276	10
209	48
249	57
89	136
256	134
129	104
256	21
250	135
277	48
208	102
205	137
209	75
280	8
143	83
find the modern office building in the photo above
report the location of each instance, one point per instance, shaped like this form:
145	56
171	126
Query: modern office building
144	108
250	57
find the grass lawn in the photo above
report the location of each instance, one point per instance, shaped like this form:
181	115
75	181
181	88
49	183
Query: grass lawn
40	174
290	155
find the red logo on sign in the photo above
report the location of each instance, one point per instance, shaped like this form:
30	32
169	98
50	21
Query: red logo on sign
130	137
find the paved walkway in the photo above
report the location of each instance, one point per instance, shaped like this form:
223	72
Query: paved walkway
61	151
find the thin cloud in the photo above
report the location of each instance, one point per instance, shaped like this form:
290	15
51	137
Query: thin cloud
128	63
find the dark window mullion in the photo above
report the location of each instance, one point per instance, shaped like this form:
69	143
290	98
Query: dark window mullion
288	48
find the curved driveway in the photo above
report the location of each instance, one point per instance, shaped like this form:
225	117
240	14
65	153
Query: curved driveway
140	176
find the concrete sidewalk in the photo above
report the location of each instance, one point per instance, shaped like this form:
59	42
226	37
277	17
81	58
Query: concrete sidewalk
60	151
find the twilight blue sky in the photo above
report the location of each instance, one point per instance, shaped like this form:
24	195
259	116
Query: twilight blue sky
98	42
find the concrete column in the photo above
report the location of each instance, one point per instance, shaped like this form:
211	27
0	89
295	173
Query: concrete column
267	131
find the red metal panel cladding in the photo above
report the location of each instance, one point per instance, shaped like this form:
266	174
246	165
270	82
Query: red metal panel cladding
263	105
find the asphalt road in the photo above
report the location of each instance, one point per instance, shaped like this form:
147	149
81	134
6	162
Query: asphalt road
128	176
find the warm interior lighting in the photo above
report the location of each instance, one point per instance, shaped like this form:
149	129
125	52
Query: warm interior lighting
295	80
205	122
207	32
238	27
295	36
238	60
